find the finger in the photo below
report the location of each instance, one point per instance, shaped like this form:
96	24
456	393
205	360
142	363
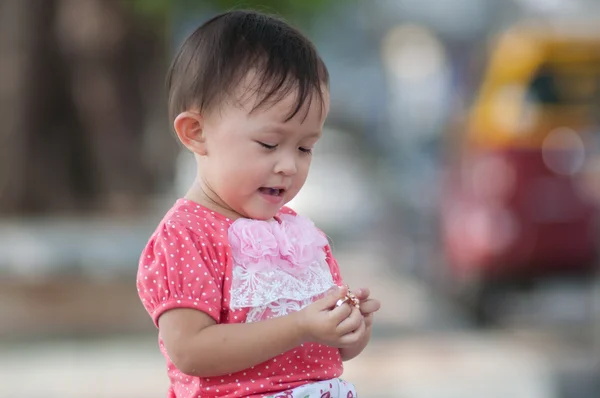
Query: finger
368	320
334	294
362	293
351	323
333	289
354	336
339	314
370	306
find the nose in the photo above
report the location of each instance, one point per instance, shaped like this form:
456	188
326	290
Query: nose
286	165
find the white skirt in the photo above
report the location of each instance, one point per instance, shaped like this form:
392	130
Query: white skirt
333	388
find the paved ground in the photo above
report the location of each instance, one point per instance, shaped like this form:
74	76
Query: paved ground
458	366
446	365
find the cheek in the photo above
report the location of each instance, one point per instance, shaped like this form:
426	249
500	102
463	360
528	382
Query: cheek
226	172
232	160
303	168
242	172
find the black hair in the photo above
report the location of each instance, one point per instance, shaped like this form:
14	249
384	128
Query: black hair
216	58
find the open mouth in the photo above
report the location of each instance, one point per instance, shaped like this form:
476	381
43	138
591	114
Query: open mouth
277	192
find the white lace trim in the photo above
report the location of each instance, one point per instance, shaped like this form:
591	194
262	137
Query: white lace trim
258	289
276	309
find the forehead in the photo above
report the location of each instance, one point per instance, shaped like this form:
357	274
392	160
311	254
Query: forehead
281	100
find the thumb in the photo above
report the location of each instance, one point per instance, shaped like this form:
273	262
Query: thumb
333	295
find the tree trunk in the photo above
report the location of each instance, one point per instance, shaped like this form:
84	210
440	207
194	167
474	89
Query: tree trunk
74	76
26	81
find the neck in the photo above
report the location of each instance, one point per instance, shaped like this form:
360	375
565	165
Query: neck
202	194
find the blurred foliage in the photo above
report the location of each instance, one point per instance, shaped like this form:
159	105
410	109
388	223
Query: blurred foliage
295	10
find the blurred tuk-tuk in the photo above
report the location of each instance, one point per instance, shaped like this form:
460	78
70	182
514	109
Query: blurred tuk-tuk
521	201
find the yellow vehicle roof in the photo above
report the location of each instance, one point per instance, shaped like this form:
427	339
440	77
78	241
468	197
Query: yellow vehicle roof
501	115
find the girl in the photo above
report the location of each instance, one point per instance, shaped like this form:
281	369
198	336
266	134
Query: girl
248	299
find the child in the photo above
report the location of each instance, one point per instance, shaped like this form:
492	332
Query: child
242	289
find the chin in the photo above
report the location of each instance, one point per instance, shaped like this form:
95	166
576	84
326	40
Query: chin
263	215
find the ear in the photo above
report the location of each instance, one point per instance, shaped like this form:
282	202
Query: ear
189	128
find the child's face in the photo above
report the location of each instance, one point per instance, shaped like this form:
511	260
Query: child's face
257	162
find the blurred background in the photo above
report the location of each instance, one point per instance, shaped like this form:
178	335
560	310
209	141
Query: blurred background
458	178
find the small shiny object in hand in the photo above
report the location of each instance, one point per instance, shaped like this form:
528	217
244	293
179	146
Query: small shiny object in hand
350	299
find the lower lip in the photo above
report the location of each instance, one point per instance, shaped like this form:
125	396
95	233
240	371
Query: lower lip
272	198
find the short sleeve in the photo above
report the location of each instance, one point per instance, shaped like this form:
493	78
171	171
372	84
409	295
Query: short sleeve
178	269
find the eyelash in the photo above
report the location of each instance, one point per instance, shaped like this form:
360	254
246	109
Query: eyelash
306	151
267	146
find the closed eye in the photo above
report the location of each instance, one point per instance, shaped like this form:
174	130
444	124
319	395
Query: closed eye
267	146
305	150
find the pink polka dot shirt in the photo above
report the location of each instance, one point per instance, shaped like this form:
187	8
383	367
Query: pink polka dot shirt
189	263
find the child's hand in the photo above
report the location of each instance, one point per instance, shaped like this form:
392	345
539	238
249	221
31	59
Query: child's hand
367	306
327	324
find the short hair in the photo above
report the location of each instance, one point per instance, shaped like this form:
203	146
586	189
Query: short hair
216	58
